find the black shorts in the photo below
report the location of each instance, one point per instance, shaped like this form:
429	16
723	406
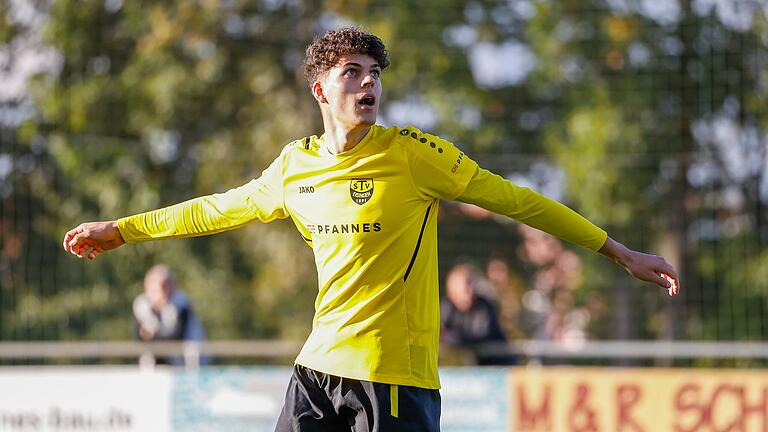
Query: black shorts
320	402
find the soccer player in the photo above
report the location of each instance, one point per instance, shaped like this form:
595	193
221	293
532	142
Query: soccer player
365	199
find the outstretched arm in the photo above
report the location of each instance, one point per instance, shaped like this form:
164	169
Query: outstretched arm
494	193
260	199
200	216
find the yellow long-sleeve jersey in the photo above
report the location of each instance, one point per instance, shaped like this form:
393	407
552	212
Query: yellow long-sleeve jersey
370	216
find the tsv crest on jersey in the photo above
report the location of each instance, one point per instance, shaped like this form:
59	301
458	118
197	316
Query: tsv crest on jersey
361	190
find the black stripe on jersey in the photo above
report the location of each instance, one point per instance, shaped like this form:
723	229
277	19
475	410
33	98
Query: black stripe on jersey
306	143
418	244
308	240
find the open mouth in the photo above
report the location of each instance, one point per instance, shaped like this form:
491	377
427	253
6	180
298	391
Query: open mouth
367	100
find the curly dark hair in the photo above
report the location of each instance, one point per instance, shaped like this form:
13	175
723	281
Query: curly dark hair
324	52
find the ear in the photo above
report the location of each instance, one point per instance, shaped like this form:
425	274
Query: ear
318	93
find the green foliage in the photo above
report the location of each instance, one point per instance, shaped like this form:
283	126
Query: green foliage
158	102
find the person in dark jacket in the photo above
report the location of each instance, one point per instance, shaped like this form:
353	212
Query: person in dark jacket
469	319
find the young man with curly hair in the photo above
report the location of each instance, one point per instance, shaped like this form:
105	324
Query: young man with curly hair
365	198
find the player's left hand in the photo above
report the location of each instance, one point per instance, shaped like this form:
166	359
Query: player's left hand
643	266
652	268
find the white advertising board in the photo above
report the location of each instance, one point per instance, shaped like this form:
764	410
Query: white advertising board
88	399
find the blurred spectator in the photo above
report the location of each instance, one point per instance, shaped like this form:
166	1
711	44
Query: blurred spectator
468	319
163	313
538	247
550	311
508	288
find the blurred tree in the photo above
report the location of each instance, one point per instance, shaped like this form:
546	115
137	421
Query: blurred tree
155	103
648	117
646	108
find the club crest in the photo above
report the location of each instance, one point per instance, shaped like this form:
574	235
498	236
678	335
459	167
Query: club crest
361	190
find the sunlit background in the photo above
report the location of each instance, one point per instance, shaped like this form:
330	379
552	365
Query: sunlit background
648	117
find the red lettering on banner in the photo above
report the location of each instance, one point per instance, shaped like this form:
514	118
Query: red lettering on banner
582	418
712	415
627	395
760	408
684	403
690	399
533	419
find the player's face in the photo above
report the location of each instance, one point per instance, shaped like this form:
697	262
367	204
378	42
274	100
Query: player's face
352	90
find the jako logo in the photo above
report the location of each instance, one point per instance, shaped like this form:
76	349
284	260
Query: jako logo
306	189
361	190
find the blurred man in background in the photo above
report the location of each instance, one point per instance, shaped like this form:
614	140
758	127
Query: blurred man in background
469	319
508	289
163	313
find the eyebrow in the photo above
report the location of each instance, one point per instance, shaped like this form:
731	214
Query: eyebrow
376	65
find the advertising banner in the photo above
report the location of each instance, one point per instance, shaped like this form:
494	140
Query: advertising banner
638	400
229	399
489	399
474	399
250	399
84	399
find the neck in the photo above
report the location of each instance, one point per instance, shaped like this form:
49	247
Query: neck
340	138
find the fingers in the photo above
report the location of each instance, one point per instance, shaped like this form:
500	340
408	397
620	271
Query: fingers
658	279
667	281
671	279
85	250
68	237
79	243
655	269
95	251
665	268
674	285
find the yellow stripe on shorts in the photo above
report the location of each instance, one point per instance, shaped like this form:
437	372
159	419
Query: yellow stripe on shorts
393	400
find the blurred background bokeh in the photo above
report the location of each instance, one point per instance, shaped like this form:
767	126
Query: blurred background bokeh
648	117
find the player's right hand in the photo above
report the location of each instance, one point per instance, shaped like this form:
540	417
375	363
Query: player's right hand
89	239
